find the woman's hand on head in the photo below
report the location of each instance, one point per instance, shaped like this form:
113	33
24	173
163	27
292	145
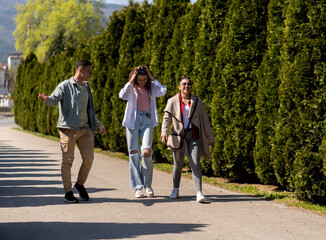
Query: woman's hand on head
134	75
150	74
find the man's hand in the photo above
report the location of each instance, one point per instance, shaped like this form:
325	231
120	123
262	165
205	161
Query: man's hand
43	97
102	129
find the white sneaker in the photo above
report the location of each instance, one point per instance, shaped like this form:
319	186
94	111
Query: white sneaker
200	197
149	192
175	193
139	193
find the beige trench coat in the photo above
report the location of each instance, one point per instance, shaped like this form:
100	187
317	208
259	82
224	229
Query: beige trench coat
172	113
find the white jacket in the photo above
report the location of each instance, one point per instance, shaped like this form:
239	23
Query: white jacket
130	95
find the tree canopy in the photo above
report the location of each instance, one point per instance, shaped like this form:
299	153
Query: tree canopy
47	27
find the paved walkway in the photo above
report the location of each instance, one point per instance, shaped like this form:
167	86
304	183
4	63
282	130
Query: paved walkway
32	207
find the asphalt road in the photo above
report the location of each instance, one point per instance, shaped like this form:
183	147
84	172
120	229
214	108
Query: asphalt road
32	206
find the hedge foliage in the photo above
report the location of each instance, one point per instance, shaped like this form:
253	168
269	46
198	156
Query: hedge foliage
258	65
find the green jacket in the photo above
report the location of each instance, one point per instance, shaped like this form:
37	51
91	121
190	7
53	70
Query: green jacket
67	95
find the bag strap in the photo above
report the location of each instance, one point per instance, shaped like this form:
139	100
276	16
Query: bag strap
186	130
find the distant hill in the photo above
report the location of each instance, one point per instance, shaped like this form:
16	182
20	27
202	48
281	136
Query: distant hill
7	26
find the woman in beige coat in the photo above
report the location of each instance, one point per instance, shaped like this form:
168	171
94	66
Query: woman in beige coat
179	109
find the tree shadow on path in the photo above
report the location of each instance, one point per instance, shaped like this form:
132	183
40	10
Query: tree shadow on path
18	164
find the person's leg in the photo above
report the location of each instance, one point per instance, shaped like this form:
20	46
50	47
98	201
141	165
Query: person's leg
194	159
134	159
85	143
178	160
146	135
67	143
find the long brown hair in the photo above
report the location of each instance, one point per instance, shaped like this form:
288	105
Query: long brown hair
141	71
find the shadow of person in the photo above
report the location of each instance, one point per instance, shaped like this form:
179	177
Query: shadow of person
87	231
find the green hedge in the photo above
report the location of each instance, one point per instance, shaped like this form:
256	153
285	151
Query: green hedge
259	67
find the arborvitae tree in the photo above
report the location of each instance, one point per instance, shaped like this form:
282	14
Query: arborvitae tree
210	26
152	12
45	80
100	71
211	22
109	43
302	110
169	12
191	25
172	73
267	97
160	22
233	108
172	60
131	43
19	89
26	93
52	73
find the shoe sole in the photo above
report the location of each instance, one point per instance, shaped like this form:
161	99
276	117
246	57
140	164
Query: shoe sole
202	200
67	201
150	195
139	196
83	199
174	197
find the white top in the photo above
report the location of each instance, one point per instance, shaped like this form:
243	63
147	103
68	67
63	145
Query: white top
186	111
130	95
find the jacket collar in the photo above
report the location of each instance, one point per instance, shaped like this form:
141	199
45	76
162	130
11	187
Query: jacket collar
192	100
177	106
73	82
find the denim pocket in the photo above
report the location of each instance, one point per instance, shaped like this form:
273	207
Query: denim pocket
147	121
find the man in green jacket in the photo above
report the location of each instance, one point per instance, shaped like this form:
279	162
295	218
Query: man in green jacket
77	122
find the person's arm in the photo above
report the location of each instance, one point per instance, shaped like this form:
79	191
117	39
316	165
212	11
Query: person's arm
54	98
206	124
102	129
99	126
167	119
158	89
125	91
43	97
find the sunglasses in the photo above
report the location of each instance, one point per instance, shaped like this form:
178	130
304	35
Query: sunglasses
186	84
141	70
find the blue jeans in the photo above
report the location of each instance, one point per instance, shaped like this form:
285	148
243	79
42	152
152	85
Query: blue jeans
140	174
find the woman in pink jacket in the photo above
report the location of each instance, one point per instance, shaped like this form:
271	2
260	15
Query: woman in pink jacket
186	110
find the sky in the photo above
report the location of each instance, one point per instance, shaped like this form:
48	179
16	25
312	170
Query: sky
125	2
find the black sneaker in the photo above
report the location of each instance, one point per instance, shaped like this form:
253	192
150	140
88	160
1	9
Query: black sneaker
82	192
70	198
